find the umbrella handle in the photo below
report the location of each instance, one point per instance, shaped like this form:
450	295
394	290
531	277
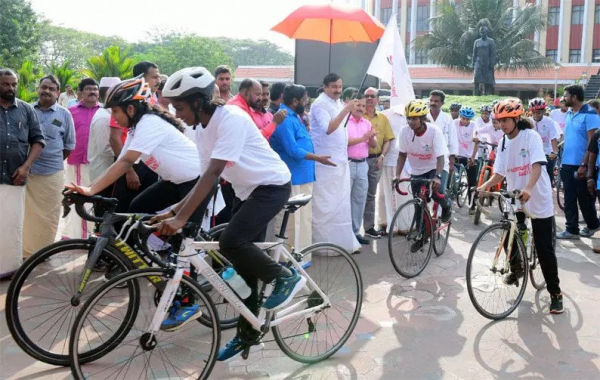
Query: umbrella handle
359	89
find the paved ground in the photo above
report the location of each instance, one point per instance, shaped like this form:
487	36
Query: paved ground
426	328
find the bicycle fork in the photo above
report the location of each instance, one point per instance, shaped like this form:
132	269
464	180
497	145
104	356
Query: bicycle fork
101	243
509	249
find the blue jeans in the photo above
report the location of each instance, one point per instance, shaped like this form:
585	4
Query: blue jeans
576	192
359	186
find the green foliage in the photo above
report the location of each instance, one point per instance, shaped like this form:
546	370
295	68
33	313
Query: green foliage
474	102
113	62
28	78
64	74
454	30
252	53
19	33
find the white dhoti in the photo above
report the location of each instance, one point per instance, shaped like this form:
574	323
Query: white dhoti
12	207
42	211
75	227
389	199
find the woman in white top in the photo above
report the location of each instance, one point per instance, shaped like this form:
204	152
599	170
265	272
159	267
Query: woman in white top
155	138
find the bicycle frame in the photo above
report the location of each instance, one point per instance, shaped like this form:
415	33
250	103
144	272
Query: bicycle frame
424	195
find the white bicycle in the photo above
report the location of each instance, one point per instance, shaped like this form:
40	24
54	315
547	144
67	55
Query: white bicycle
127	312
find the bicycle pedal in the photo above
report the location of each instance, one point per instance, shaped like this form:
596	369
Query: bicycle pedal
246	352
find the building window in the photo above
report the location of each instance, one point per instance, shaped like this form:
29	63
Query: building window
408	18
422	18
577	15
597	14
553	54
596	55
574	55
421	57
553	15
385	15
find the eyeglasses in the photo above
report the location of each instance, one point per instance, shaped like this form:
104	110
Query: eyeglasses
90	89
371	96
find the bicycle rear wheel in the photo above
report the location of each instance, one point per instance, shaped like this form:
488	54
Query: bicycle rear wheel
489	293
560	193
39	313
440	236
310	340
463	186
188	352
408	243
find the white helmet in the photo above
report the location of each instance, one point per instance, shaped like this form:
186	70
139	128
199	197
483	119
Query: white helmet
189	81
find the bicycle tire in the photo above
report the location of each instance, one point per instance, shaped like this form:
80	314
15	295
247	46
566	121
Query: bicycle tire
398	222
486	176
325	258
463	186
560	193
144	300
471	261
60	290
440	239
535	270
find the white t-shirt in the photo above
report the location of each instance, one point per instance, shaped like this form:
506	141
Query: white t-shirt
559	116
422	151
445	123
232	136
164	149
489	134
515	162
397	122
480	124
100	154
548	130
465	138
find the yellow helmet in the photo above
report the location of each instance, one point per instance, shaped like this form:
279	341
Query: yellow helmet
416	108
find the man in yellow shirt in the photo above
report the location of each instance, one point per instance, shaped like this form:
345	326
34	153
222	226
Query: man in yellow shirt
385	135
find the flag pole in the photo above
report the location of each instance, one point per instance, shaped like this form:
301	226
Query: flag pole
359	88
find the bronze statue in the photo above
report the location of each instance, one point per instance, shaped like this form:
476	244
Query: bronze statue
484	59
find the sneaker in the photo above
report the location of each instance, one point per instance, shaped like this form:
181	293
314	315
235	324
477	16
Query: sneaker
383	230
556	304
362	240
284	290
234	347
586	232
566	235
417	245
179	316
357	252
372	232
446	214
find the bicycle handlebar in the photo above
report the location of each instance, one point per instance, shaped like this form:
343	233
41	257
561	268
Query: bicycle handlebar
80	200
500	195
396	185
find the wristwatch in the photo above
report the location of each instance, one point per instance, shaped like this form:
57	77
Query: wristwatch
439	176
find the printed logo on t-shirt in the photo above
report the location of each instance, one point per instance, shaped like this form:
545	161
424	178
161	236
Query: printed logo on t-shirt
152	163
229	164
427	148
523	153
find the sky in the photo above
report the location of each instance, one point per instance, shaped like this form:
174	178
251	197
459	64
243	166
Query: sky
133	19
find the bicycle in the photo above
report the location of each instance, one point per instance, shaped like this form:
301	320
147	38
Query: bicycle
458	185
47	290
485	170
410	249
560	191
493	256
302	329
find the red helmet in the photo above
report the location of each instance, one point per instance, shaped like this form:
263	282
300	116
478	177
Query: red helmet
537	104
508	108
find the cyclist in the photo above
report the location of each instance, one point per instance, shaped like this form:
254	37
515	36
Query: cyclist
230	146
548	129
519	160
424	146
454	108
467	147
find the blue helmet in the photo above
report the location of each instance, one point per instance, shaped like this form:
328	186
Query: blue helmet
467	112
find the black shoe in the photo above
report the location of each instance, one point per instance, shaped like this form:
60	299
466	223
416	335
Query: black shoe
418	245
513	277
362	240
372	232
556	304
446	214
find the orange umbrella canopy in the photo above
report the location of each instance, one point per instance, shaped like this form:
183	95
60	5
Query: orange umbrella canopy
331	23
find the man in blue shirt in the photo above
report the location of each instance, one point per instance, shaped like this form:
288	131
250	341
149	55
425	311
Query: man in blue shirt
580	124
295	147
47	175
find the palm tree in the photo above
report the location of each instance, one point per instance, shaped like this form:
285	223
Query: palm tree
64	74
113	62
27	82
454	30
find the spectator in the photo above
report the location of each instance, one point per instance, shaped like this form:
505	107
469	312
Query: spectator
595	103
294	145
66	97
24	141
361	137
548	130
444	122
276	96
580	124
454	108
385	103
332	220
47	175
559	114
77	162
267	117
223	82
381	126
349	94
163	102
151	75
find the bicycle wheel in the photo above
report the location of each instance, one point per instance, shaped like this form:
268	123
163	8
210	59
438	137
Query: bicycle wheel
39	312
440	236
535	269
477	216
489	293
560	193
312	339
486	175
463	186
188	352
407	241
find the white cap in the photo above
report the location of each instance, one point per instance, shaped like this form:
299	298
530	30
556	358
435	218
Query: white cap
399	109
109	81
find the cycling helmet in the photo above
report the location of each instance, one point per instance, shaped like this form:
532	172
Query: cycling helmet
467	112
417	108
128	91
455	106
537	104
190	81
508	108
485	108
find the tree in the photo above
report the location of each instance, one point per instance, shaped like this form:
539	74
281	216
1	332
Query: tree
251	53
28	77
64	74
113	62
454	30
19	33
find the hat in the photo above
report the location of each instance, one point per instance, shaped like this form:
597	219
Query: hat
109	81
398	109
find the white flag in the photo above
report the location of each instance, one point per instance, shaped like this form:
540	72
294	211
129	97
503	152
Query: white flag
389	65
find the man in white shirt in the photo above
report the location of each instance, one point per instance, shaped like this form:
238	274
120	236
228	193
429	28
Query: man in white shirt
560	114
445	123
548	130
66	98
468	145
332	221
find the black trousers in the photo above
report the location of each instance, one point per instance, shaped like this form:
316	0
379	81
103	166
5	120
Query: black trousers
228	196
126	195
576	192
248	224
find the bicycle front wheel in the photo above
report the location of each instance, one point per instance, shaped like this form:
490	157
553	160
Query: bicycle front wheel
490	268
187	352
408	240
463	186
560	193
440	236
312	339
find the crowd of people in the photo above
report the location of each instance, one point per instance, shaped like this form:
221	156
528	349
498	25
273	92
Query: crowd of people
172	145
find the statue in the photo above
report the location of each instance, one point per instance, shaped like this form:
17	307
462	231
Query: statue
484	59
